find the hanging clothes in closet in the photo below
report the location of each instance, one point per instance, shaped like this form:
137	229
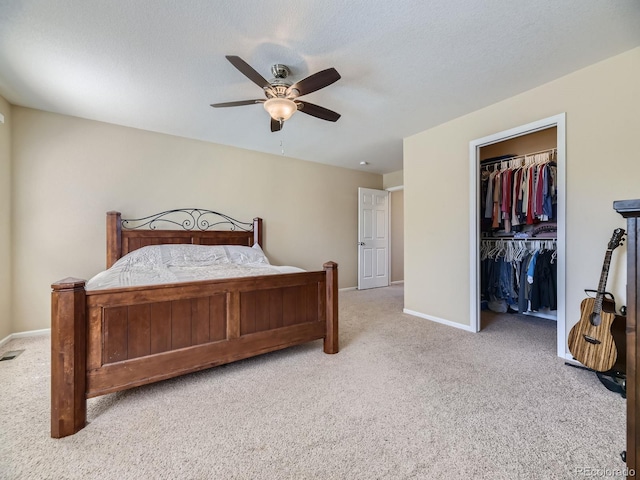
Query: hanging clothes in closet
518	193
518	275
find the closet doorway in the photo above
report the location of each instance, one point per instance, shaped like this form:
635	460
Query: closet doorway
541	141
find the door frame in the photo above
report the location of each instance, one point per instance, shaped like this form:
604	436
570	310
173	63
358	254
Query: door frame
558	121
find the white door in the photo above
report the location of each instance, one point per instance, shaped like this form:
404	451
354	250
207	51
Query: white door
373	238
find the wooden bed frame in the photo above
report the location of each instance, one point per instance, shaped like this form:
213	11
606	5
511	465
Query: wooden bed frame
103	341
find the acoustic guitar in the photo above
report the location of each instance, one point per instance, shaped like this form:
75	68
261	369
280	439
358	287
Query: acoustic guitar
591	340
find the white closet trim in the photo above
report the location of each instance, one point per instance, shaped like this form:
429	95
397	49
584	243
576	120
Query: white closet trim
558	121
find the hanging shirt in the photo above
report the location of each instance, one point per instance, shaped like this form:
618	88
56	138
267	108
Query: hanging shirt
506	199
547	206
532	266
496	201
524	195
488	206
517	175
531	199
539	190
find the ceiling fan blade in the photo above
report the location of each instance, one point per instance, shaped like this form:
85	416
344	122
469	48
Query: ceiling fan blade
318	111
248	71
314	82
237	104
276	126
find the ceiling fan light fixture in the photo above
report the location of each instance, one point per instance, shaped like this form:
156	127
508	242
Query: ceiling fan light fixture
282	97
280	109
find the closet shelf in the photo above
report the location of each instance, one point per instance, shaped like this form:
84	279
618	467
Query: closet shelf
484	163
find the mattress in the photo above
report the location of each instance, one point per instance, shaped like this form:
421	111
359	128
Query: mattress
159	264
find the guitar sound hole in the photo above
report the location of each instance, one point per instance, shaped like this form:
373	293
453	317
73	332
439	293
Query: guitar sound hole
595	319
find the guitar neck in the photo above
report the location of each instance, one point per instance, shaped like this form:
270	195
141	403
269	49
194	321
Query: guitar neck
597	308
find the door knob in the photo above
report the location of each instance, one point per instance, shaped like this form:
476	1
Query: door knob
360	243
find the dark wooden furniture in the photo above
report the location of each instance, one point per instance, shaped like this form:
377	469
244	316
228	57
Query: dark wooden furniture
630	209
103	341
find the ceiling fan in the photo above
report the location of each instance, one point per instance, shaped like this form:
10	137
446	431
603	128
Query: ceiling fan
282	96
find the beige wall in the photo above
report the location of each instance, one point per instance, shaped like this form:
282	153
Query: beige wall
397	236
522	145
601	104
391	180
68	172
5	220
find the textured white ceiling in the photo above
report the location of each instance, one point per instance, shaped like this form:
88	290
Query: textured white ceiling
406	65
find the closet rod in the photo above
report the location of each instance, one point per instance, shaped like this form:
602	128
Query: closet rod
491	162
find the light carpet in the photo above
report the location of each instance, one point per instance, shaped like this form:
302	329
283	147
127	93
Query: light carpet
405	398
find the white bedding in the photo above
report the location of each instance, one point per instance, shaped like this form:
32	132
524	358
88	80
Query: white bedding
156	264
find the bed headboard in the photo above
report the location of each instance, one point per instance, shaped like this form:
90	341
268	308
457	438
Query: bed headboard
189	225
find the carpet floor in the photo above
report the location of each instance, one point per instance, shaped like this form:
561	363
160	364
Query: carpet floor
405	398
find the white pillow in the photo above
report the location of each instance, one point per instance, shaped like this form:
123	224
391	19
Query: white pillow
151	255
241	255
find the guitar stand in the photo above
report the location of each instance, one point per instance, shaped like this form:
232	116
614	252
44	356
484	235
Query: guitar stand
613	380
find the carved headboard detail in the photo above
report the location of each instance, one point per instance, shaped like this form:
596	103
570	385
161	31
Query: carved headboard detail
188	225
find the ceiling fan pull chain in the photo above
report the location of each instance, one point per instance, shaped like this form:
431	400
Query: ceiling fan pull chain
282	147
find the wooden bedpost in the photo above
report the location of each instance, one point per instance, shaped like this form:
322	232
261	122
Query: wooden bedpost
331	344
114	237
68	357
257	231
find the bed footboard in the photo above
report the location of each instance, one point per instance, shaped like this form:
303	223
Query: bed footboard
110	340
68	357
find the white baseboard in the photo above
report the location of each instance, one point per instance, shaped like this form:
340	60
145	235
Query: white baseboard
440	320
30	333
347	289
569	359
